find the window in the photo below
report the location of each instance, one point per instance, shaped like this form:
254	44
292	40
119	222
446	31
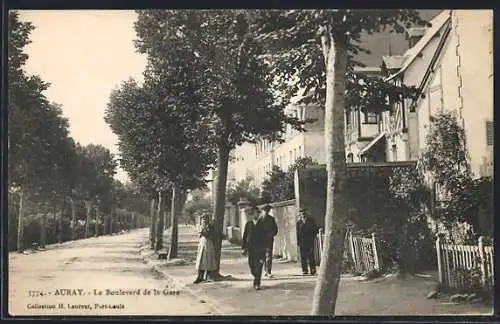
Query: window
294	154
370	118
489	133
300	151
290	159
350	158
394	152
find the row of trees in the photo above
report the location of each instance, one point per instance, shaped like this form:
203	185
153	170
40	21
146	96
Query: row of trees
218	78
48	170
205	91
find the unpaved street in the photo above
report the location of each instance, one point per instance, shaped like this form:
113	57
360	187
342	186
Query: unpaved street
96	276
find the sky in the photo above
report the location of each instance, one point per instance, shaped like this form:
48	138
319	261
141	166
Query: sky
84	55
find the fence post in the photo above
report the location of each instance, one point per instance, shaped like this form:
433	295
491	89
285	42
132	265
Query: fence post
353	254
375	254
440	267
320	244
482	260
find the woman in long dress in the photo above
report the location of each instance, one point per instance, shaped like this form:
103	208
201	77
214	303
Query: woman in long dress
206	260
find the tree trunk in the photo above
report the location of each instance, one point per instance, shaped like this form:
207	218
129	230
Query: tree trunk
20	223
152	232
119	217
61	223
73	219
113	213
326	290
43	230
88	206
54	213
159	227
96	233
168	215
174	230
220	198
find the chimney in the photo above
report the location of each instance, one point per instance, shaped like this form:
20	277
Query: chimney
413	35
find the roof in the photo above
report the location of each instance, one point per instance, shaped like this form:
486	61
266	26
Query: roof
393	62
370	145
437	23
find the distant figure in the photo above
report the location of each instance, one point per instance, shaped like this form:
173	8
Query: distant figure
206	262
271	229
253	244
306	232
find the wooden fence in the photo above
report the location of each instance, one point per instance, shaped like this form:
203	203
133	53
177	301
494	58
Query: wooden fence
360	251
465	267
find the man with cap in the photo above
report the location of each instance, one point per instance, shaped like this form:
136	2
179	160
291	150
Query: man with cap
252	245
270	229
306	232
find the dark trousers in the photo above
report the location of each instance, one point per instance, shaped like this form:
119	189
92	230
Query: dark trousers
307	258
255	264
268	264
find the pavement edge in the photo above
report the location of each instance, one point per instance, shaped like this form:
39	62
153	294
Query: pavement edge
201	297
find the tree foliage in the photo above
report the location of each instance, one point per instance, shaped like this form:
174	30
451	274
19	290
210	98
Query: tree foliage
295	40
243	189
47	169
226	73
457	197
198	205
280	185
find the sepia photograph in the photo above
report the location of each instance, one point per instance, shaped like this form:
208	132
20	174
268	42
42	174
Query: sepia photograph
256	162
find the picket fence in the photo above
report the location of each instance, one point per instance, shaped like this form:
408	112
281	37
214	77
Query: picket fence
465	267
360	251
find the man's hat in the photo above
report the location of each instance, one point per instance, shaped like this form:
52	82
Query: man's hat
253	208
267	207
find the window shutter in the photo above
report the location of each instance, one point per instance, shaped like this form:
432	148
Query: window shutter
489	133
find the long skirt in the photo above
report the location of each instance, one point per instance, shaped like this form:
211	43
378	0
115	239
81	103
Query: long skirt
205	259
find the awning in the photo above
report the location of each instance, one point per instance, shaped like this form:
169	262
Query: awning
370	145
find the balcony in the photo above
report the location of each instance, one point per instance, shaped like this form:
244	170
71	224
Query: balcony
364	131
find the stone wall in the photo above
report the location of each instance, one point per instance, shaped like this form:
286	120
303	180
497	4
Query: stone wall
285	242
231	224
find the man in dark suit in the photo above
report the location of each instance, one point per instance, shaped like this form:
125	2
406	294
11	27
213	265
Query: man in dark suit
253	244
306	233
271	229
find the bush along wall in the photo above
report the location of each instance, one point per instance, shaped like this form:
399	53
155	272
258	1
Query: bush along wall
404	239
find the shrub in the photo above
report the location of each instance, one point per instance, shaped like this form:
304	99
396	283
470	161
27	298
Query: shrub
279	186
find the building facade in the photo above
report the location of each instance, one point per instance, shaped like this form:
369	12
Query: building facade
362	128
256	160
451	63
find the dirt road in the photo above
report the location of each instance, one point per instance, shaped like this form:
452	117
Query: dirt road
96	276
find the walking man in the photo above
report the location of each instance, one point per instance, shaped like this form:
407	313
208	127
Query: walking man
306	232
271	229
253	244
